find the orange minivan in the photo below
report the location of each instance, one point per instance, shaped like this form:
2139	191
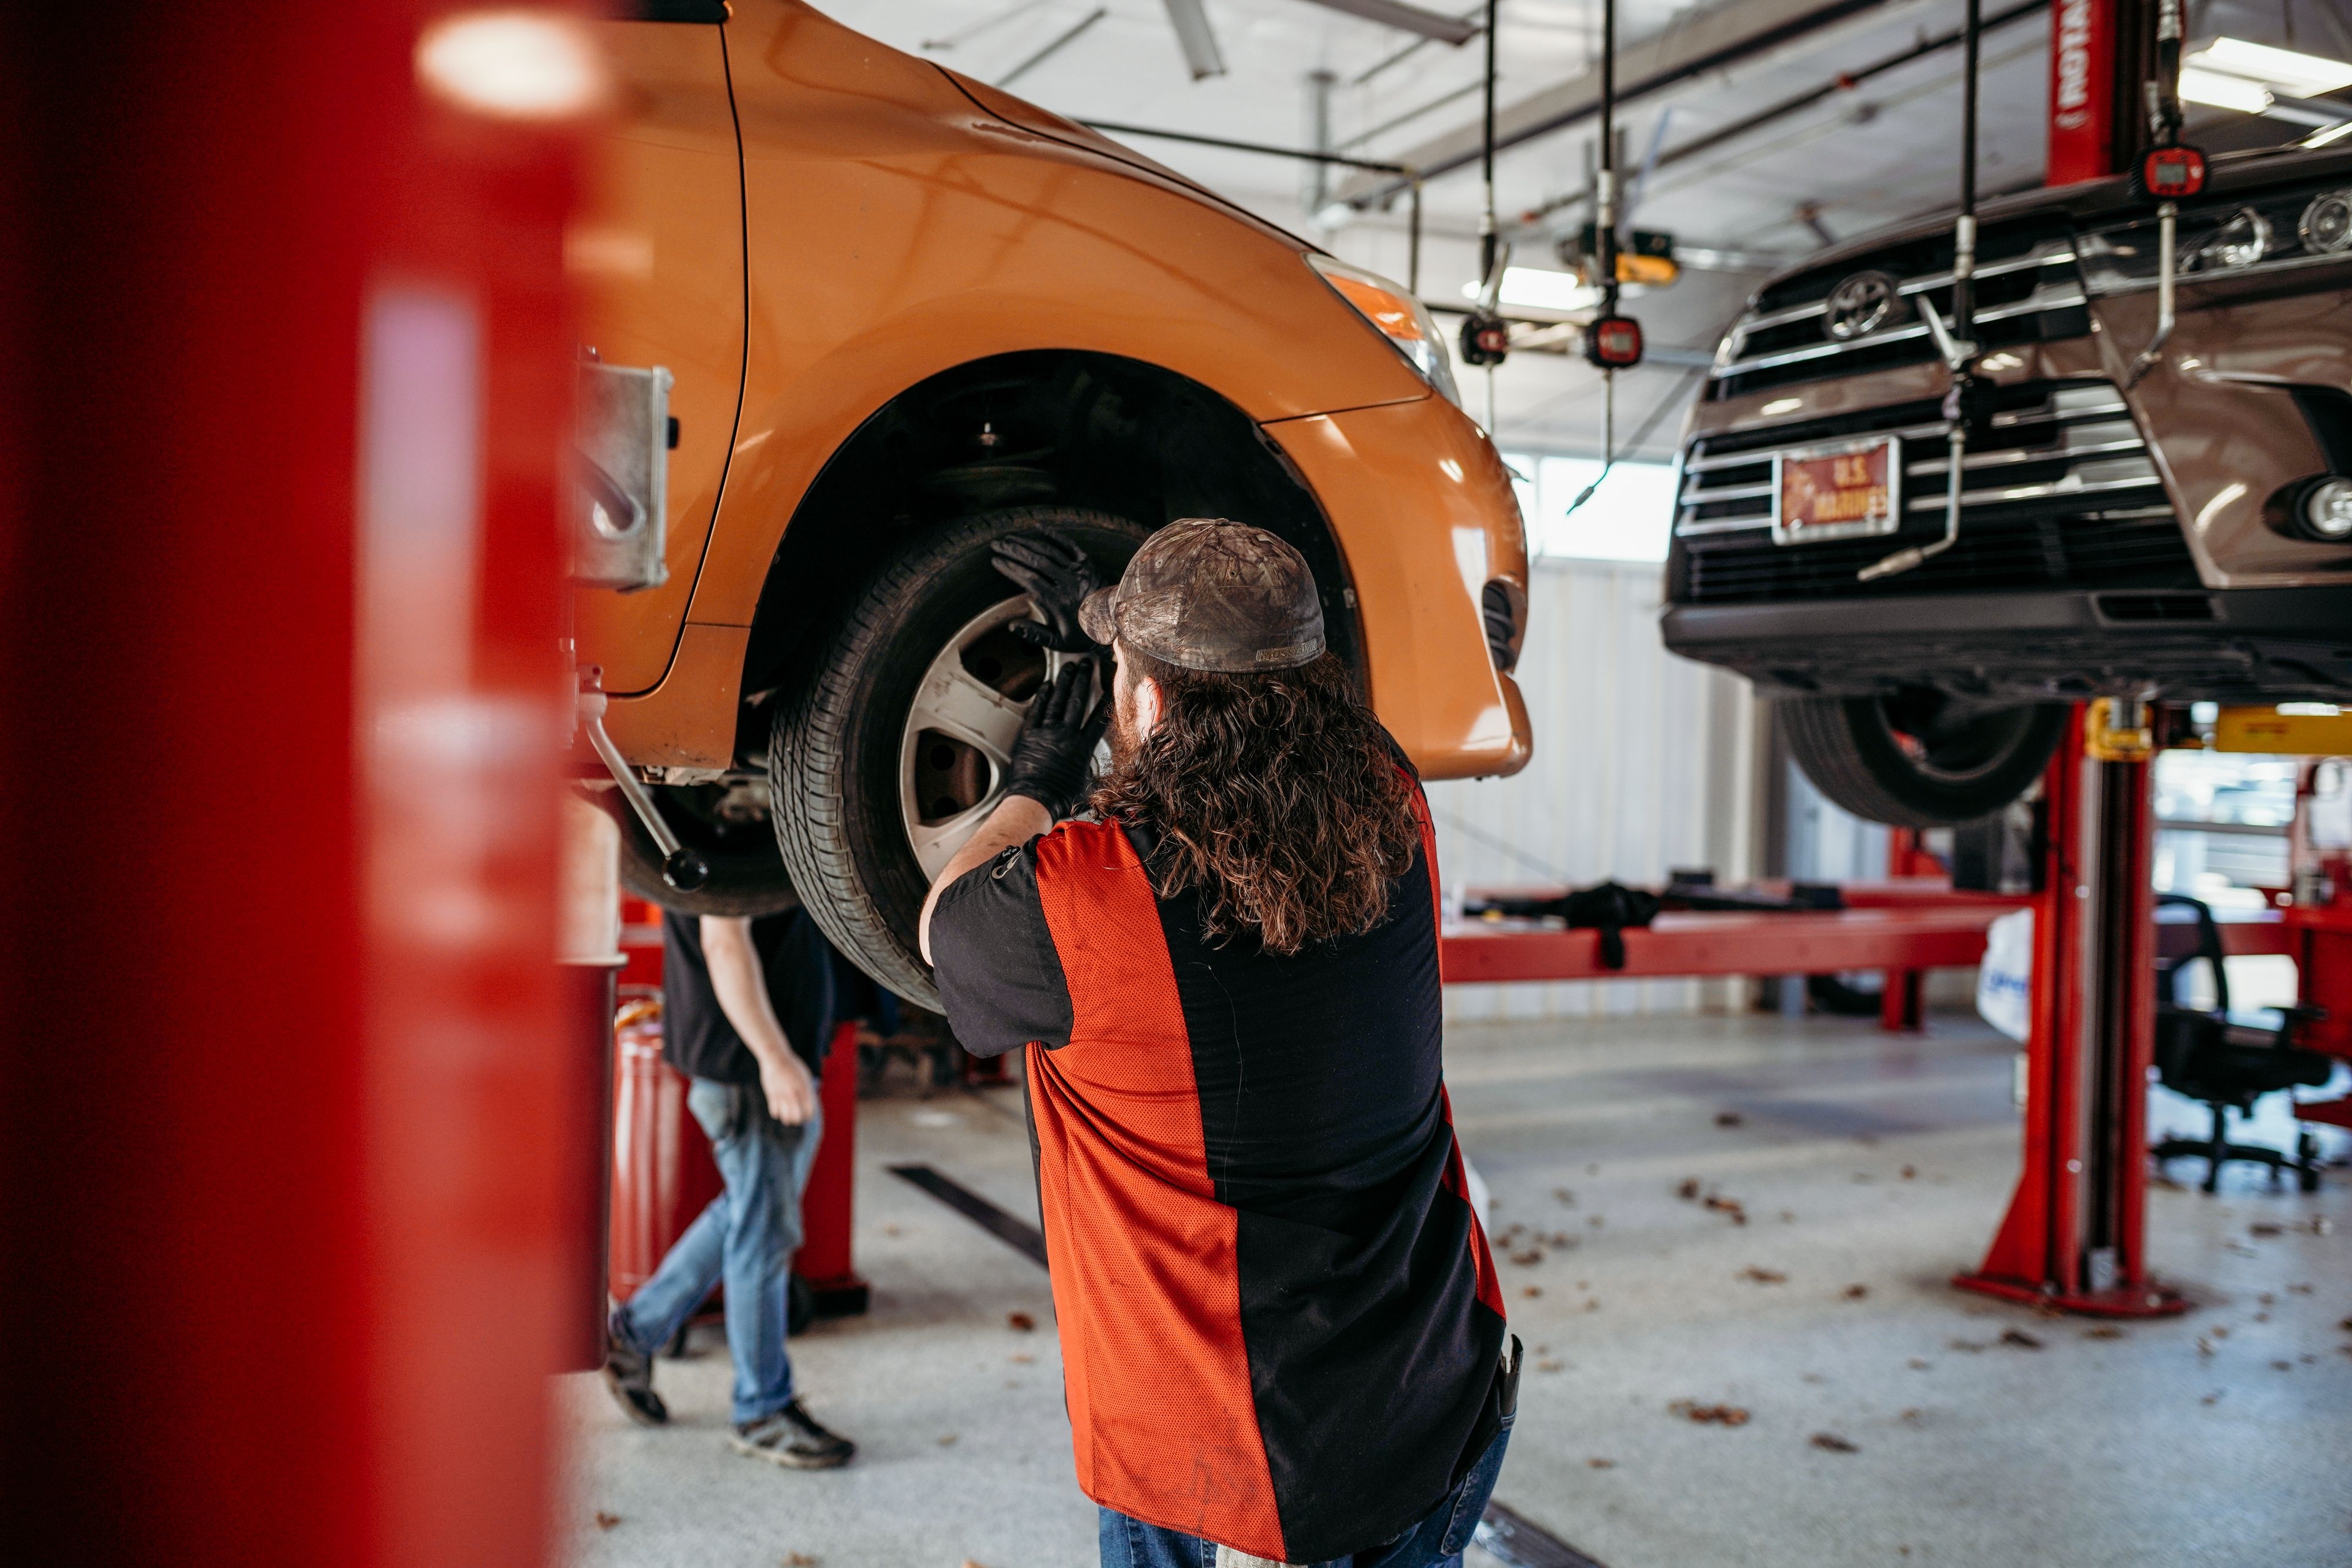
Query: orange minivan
903	314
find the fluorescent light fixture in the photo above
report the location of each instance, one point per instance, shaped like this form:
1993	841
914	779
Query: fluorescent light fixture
2282	72
1196	38
2223	91
1540	288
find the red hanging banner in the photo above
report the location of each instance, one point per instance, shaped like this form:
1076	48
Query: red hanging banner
2082	90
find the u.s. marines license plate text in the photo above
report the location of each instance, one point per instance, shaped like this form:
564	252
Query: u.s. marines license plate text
1849	489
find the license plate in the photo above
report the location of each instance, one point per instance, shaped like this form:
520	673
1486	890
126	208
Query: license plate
1849	489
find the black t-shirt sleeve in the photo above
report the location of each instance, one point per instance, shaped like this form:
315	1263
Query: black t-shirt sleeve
999	974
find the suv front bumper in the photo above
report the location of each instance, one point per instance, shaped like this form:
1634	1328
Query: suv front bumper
1425	518
2242	644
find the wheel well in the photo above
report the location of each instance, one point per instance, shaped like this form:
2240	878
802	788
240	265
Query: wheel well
1076	429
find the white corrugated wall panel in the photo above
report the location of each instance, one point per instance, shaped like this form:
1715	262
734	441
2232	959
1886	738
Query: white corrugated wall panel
1641	765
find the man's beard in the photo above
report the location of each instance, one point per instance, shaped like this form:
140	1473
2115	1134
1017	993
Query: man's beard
1124	742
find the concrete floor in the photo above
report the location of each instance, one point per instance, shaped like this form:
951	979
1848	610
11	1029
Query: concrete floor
1868	1168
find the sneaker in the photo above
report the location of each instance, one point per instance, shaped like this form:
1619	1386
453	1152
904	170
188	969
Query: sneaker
629	1373
792	1438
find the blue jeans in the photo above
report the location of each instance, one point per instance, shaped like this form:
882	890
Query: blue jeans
1437	1541
747	1236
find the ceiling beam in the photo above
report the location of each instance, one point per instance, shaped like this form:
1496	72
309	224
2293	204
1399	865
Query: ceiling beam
1729	33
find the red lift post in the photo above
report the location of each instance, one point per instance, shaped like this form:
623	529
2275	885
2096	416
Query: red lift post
2072	1238
289	1240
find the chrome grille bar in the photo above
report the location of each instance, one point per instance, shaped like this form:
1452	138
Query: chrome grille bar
2089	431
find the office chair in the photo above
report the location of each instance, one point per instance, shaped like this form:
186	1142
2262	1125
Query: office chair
2204	1055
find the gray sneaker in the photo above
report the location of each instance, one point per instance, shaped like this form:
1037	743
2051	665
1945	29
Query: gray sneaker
629	1373
792	1438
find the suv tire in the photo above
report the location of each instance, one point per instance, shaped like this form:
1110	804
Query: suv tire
1917	758
840	755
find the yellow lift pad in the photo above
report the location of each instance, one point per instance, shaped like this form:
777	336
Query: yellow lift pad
2292	729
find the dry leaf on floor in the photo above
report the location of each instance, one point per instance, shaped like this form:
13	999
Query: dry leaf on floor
1709	1414
1969	1345
1597	1221
1592	1306
1915	1365
1727	1118
1909	1172
1730	1205
1833	1443
968	1563
1023	1359
2298	1289
1531	1290
607	1521
1529	1258
798	1560
1856	1292
2105	1331
889	1230
1021	1321
2220	1330
2214	1397
2281	1366
1688	1190
948	1441
1911	1415
1564	1195
1763	1276
1601	1464
2020	1339
1546	1366
2265	1228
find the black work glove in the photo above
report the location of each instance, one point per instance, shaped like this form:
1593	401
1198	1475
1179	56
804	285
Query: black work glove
1057	576
1054	755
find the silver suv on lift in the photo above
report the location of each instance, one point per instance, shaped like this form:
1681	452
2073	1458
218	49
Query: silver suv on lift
2177	529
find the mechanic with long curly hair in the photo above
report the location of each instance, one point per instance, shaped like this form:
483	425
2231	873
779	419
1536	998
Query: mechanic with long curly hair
1282	1335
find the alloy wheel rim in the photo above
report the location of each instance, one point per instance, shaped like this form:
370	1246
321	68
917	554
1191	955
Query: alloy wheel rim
958	735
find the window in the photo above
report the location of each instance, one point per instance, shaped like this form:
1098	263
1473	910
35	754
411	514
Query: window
1629	517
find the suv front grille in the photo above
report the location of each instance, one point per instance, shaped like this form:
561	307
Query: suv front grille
2028	290
2059	493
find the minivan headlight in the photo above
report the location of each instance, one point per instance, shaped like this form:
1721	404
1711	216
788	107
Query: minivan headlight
1395	315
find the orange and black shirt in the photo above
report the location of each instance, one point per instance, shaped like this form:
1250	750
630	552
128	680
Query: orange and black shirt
1281	1327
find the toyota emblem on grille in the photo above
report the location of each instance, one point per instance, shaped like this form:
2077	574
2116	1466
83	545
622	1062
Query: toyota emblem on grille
1860	305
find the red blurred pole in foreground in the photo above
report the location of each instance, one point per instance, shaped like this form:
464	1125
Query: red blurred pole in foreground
285	1102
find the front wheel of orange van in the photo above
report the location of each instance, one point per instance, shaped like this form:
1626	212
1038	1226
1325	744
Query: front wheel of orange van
893	750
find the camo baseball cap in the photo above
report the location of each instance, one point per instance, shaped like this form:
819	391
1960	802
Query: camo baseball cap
1209	593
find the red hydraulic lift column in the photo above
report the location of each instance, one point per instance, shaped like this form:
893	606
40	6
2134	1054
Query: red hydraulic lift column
2073	1236
1901	1002
289	1237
